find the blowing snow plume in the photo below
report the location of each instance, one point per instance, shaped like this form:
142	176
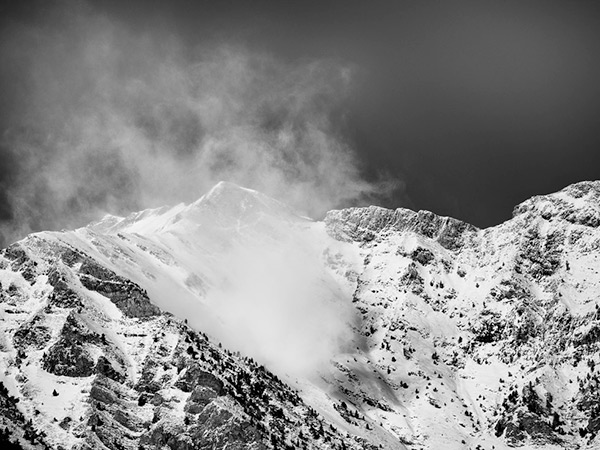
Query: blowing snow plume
279	304
102	119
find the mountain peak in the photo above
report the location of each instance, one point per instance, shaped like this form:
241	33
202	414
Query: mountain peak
577	203
590	189
226	192
230	200
224	202
225	187
367	316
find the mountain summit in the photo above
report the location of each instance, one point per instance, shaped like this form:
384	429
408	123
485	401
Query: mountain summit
233	322
225	203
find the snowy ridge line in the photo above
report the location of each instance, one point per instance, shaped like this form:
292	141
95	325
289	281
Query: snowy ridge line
375	328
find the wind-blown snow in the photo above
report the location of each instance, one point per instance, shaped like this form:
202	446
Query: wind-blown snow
403	328
242	266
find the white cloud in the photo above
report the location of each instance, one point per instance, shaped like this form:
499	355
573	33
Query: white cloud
113	121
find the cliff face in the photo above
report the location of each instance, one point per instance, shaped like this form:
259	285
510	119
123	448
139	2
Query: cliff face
425	331
365	224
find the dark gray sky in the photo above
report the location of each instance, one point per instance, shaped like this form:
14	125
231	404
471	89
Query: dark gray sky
469	107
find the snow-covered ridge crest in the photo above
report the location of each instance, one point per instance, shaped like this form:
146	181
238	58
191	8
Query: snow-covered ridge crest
236	259
578	203
225	202
400	329
239	200
365	224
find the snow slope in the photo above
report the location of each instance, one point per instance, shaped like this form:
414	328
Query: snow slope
398	329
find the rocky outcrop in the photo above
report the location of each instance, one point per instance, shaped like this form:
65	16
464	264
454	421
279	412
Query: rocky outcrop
128	296
69	358
62	295
422	255
490	327
32	334
540	254
16	432
578	204
20	261
71	354
201	396
529	417
367	224
105	368
194	376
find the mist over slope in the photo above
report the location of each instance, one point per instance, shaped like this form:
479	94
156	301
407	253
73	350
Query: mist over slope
243	267
385	328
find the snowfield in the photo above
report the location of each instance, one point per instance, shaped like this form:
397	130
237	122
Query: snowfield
233	322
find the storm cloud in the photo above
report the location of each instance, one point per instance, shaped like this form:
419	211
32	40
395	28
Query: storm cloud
470	107
105	119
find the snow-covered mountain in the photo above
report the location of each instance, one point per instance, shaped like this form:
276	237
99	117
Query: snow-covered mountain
233	322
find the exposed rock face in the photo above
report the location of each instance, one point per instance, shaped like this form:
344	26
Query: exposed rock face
364	224
68	359
540	255
32	334
128	296
578	204
17	432
194	377
62	295
71	354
